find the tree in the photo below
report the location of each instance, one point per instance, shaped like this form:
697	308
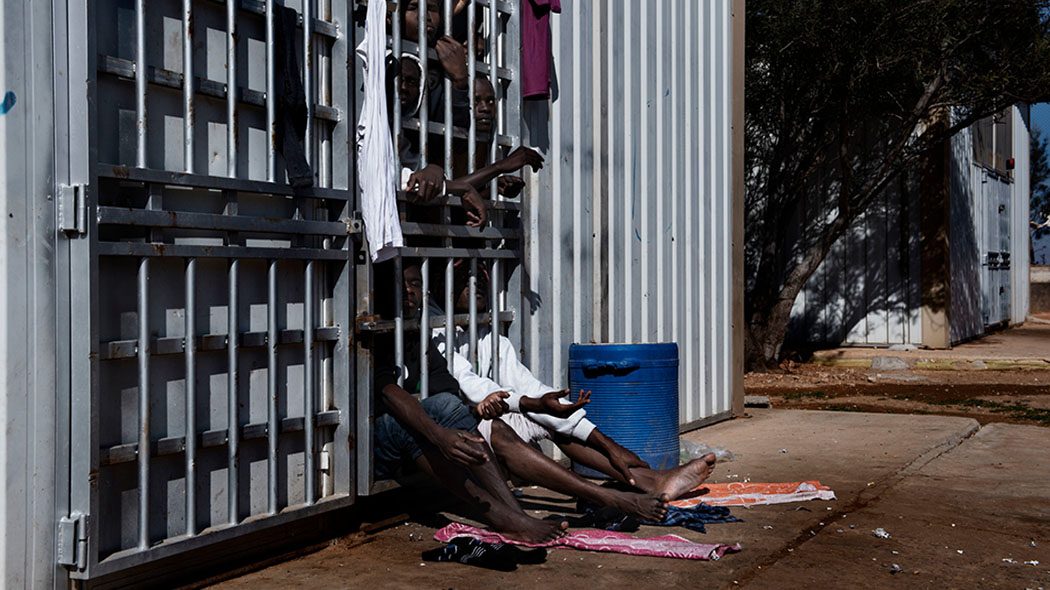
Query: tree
842	97
1040	179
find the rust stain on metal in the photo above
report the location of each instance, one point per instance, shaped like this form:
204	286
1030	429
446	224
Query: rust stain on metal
121	172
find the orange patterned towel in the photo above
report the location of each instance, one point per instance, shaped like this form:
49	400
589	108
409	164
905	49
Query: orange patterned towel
755	494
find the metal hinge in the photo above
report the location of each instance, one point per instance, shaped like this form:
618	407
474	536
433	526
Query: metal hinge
72	541
72	208
325	461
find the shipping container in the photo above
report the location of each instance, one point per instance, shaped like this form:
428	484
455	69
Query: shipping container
185	359
869	291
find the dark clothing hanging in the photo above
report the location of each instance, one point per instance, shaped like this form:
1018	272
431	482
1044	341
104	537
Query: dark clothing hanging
290	132
536	53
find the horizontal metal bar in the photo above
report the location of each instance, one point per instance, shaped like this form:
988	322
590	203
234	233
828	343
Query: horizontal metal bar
483	253
502	6
125	68
459	319
174	445
185	251
258	8
458	202
125	349
412	48
327	113
458	231
174	546
437	128
238	223
218	183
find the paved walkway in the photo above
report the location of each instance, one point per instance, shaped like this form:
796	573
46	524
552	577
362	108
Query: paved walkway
956	499
1026	345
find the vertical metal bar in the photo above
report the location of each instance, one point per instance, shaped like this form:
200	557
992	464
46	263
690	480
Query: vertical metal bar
424	111
396	40
232	414
399	319
447	18
450	311
497	127
190	338
627	230
643	194
231	89
144	409
187	85
494	281
271	98
690	246
424	331
271	388
308	77
308	383
140	82
473	285
661	175
472	70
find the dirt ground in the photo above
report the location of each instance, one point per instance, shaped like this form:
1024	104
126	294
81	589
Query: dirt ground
1004	377
947	451
1015	396
965	506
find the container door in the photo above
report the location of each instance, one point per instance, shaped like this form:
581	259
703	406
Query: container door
1005	237
206	304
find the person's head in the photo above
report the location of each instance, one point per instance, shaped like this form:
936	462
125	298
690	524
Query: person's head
412	299
409	85
484	105
410	23
481	297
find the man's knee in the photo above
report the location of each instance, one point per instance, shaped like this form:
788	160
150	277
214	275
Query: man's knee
449	411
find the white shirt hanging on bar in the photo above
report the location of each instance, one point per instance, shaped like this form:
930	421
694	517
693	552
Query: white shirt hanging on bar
377	163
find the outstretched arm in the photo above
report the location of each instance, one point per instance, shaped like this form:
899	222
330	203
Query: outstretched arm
518	159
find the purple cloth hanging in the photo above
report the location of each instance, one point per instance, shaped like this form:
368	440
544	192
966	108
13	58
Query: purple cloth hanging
536	47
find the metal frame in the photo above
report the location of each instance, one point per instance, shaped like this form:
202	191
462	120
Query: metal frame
500	65
320	236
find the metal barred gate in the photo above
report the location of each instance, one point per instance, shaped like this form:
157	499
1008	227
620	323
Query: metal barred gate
207	309
210	315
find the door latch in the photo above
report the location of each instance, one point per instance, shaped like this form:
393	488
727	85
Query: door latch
72	208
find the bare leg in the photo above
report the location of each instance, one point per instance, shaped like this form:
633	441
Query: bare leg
484	489
527	463
672	482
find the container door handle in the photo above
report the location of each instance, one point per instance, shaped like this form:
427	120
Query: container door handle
624	366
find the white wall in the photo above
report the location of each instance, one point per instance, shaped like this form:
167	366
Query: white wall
630	222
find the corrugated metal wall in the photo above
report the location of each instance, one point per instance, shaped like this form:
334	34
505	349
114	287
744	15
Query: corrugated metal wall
1021	263
631	221
868	291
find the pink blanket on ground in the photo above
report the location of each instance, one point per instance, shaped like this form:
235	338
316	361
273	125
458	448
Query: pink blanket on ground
755	494
607	541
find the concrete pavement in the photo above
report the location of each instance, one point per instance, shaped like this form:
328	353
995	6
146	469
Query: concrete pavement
915	476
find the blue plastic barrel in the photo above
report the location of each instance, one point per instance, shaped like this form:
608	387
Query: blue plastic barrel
634	397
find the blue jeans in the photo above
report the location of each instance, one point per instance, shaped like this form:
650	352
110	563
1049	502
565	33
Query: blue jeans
394	445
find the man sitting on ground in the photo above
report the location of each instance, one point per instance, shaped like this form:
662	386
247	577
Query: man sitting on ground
521	460
544	413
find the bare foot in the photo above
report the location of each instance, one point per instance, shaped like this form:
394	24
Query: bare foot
530	530
643	506
675	482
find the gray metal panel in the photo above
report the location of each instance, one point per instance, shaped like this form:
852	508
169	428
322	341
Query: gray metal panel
28	354
129	284
633	210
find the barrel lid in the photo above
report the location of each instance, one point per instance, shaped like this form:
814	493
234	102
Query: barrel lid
616	351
